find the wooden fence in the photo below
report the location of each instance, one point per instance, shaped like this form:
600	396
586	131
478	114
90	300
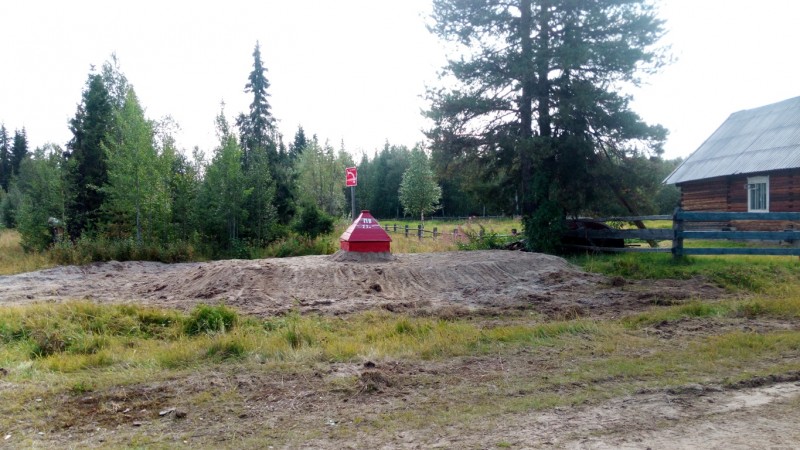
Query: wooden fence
420	232
706	226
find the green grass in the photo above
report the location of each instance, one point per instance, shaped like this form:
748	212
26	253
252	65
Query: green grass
499	226
73	336
412	244
750	273
97	349
76	336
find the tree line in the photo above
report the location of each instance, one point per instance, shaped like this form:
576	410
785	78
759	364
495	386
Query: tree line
530	122
122	178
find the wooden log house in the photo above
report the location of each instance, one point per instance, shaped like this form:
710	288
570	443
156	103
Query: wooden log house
750	164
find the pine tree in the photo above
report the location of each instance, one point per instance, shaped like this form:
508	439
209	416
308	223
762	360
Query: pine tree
538	102
88	171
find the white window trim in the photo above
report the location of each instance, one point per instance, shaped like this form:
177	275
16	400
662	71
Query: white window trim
764	179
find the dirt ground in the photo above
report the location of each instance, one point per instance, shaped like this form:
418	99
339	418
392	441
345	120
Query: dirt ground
446	284
450	283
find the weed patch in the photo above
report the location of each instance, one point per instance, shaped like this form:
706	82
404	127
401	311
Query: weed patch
211	319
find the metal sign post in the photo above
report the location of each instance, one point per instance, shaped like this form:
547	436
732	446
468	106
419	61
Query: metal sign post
352	201
351	180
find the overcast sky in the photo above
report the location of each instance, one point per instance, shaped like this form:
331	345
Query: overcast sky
352	70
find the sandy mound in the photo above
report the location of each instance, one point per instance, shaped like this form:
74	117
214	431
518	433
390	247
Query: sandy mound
455	282
365	257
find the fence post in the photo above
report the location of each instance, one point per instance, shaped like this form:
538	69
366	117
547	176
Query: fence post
455	233
513	231
406	230
419	231
395	228
386	228
677	238
435	230
480	233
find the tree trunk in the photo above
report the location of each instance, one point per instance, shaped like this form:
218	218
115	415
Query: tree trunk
138	213
528	81
543	71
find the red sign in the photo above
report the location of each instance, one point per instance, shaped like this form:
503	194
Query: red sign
351	175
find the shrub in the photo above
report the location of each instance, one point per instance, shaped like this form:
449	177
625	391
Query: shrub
312	222
481	240
544	228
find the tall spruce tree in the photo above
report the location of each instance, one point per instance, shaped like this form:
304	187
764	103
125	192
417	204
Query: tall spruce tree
5	158
539	93
87	164
260	146
298	144
19	150
256	129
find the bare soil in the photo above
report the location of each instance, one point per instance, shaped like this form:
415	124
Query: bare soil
480	282
262	407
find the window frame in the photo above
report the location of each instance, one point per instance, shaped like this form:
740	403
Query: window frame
751	183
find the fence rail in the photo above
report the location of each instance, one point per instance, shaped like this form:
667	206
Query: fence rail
692	225
421	233
689	225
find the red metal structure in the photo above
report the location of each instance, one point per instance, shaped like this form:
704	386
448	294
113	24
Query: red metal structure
365	235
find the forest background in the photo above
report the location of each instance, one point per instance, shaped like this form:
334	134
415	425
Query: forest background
122	182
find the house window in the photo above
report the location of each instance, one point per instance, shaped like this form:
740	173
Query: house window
758	194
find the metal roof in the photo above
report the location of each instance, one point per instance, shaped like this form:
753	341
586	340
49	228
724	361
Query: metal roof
750	141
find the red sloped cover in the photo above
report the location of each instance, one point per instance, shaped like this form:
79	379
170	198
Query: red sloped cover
366	235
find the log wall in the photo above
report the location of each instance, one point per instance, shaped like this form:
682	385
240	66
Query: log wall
729	194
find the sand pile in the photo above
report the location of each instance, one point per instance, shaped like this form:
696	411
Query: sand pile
483	281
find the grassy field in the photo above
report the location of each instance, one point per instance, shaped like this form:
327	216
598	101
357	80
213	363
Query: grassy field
131	376
81	353
499	226
14	260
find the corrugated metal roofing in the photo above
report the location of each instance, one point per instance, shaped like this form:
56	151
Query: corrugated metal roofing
750	141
